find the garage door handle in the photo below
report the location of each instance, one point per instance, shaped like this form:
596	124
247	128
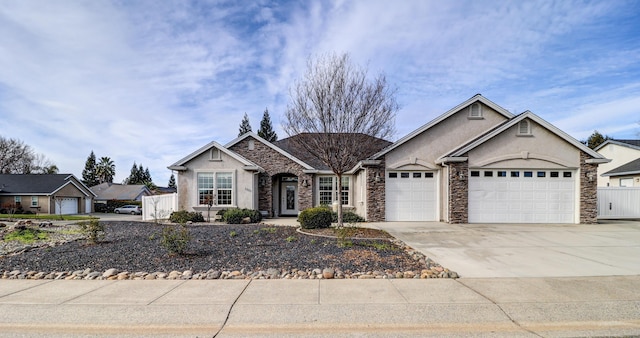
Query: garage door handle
609	206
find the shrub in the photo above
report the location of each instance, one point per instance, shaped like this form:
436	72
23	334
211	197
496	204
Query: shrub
175	239
93	229
347	217
184	216
318	217
235	216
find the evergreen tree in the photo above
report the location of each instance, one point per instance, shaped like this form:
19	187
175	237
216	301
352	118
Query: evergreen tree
147	176
266	129
245	127
89	176
595	139
172	181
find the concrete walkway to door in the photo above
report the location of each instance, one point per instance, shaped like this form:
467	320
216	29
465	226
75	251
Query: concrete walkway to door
611	248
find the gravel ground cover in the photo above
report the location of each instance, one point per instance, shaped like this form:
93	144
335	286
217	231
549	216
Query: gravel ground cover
136	246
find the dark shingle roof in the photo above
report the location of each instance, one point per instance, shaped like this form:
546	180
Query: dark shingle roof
630	142
114	191
289	145
632	167
32	184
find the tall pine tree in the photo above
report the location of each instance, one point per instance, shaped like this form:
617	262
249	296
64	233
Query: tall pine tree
245	127
266	129
89	176
172	181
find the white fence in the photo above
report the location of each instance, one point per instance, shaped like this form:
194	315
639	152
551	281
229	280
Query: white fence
159	206
618	202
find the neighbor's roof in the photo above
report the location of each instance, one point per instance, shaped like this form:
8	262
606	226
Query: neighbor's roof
630	168
122	192
38	184
633	144
289	145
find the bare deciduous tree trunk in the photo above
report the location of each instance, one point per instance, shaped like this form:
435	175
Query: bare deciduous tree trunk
335	110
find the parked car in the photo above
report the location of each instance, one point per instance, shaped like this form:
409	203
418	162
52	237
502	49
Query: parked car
128	209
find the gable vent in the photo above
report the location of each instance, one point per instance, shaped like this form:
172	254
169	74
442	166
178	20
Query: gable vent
475	110
524	127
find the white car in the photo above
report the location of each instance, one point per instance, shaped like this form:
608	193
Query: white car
128	209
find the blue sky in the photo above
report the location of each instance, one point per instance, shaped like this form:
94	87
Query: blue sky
152	81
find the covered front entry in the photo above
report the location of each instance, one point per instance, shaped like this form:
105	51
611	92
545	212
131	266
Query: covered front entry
288	196
411	196
522	196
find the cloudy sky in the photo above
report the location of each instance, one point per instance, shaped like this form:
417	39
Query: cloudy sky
152	81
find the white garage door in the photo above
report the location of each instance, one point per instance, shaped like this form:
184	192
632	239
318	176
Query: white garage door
521	196
67	206
411	196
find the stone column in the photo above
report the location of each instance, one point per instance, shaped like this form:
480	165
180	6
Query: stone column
588	190
458	192
376	203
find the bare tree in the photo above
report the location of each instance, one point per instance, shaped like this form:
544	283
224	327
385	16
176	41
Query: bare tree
19	158
334	107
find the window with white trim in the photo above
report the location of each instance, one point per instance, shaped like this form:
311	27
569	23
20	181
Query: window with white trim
17	199
218	185
475	111
626	182
34	201
328	190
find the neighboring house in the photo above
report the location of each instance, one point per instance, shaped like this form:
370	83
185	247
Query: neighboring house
476	163
46	193
624	168
120	192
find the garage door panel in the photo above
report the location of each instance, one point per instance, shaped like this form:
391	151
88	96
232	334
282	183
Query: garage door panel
522	199
411	197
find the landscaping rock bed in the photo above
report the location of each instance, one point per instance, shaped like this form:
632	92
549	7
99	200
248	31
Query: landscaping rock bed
133	250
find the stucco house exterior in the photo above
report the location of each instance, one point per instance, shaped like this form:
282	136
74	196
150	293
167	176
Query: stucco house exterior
624	168
46	193
476	163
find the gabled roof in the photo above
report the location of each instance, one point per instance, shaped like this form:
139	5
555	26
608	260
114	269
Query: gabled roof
630	168
39	184
475	98
288	145
633	144
272	146
122	192
460	151
180	164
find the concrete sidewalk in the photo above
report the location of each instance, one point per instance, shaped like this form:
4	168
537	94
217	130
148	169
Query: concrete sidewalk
503	307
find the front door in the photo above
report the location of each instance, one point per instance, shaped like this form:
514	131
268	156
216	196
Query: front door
289	199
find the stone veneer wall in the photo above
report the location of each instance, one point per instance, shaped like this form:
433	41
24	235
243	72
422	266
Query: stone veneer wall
274	163
376	203
458	192
588	191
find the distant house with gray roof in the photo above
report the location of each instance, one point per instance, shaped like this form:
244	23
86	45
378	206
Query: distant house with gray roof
120	192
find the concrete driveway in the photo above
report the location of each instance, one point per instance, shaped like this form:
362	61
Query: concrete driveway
611	248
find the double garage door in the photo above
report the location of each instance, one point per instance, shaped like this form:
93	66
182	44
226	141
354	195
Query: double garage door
67	206
522	196
411	196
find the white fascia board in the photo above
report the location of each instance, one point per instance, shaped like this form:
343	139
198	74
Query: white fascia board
622	173
538	120
180	164
598	160
622	144
451	159
84	186
270	145
475	98
75	185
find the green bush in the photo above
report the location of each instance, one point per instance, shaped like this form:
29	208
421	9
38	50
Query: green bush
318	217
93	229
347	217
235	216
184	216
175	239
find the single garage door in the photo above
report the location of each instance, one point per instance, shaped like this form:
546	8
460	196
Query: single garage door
66	206
411	196
521	196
